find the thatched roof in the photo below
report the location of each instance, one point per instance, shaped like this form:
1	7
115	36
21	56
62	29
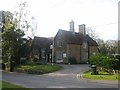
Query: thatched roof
76	38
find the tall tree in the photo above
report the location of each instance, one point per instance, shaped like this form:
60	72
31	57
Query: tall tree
24	21
112	46
16	26
11	37
108	47
92	33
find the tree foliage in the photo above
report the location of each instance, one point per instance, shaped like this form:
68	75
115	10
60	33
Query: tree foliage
24	21
105	61
16	27
92	33
11	37
108	47
105	47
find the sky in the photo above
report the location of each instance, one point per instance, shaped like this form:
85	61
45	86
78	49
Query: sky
52	15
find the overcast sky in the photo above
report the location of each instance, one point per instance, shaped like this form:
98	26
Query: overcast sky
52	15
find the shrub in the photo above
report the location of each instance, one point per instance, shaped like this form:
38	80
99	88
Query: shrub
116	62
30	63
72	60
35	59
105	61
96	59
118	57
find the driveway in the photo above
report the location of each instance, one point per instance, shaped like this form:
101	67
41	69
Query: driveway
66	78
70	70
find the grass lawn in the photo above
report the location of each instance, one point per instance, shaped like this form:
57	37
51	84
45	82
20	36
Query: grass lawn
38	69
8	86
101	76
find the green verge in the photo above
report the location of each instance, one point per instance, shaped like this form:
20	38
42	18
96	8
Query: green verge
101	76
9	86
37	69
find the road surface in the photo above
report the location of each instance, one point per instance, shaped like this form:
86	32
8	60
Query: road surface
66	78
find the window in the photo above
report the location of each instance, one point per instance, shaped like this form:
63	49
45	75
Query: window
84	45
59	44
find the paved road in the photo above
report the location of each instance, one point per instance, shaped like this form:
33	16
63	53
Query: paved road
66	78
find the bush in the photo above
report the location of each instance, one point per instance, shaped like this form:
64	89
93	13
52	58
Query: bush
116	62
72	60
105	61
118	57
96	59
30	63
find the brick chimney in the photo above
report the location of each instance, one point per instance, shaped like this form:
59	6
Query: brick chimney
82	29
72	26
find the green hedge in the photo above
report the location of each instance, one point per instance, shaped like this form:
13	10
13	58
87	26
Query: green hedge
105	61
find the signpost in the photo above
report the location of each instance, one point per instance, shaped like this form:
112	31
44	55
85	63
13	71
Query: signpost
51	47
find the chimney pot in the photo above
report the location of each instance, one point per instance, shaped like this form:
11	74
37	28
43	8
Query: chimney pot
72	26
82	29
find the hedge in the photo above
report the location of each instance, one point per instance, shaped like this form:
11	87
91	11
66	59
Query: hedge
105	61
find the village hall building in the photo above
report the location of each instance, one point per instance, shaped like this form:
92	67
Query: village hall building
71	44
67	45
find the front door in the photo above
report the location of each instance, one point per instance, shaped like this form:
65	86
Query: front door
59	57
84	57
84	53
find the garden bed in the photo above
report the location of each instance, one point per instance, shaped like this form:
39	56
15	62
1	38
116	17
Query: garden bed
101	76
37	69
